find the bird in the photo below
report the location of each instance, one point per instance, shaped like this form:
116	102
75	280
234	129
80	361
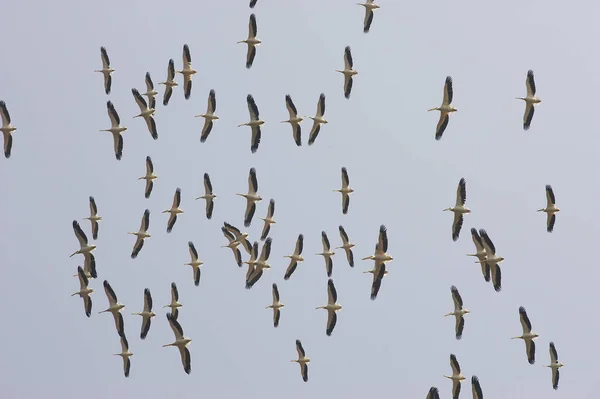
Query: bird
174	211
89	266
240	237
381	254
106	70
445	109
554	365
276	306
141	235
114	307
476	388
378	273
146	113
147	314
268	220
187	72
295	257
181	343
84	292
253	3
251	264
149	177
233	244
550	209
169	83
528	336
456	376
195	263
116	129
294	120
209	196
332	307
433	393
255	123
318	120
94	218
459	209
6	129
209	116
174	305
302	360
346	246
125	354
84	247
369	6
481	254
492	260
260	264
348	72
327	253
458	313
252	197
252	41
530	100
150	92
346	190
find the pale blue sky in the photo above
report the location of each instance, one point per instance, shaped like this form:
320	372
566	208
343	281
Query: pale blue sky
396	346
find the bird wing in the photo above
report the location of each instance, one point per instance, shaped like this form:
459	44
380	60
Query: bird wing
343	235
212	102
252	28
93	207
476	388
276	317
347	85
487	242
175	326
454	364
368	20
345	179
118	147
254	277
193	252
119	323
112	114
110	293
290	106
252	108
304	371
297	133
456	385
433	393
145	221
141	102
151	123
457	225
555	377
171	71
137	247
177	198
228	234
300	349
252	182
238	256
530	347
290	269
148	189
345	203
149	165
299	244
550	199
4	114
331	292
255	140
458	302
321	106
249	213
253	3
87	305
528	116
314	132
187	58
448	91
149	83
350	256
186	359
485	270
167	94
325	241
265	231
378	274
197	275
271	209
477	240
525	322
147	300
89	264
553	353
530	83
124	344
105	59
442	124
174	293
206	129
331	321
461	192
187	86
458	328
551	219
275	293
250	55
348	63
83	280
329	265
496	277
383	239
266	250
207	185
81	237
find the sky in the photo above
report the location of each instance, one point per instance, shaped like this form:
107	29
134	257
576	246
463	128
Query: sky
395	346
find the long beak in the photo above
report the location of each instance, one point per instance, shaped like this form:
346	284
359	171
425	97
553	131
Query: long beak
432	109
73	254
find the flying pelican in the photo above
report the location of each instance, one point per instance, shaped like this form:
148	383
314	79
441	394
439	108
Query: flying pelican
378	273
318	119
195	263
89	266
125	354
480	254
187	72
116	129
261	264
141	234
369	6
83	240
147	314
169	83
346	190
377	265
174	305
94	218
456	377
294	120
445	109
476	388
240	237
348	71
233	244
302	360
253	3
332	307
381	248
181	343
554	365
114	308
149	177
433	393
145	113
530	100
252	41
209	116
268	220
251	264
527	336
550	208
174	211
106	70
150	92
276	305
6	129
327	254
251	198
346	246
255	123
459	209
84	292
295	257
209	196
492	260
458	313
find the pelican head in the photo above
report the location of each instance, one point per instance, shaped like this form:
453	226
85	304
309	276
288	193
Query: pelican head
447	209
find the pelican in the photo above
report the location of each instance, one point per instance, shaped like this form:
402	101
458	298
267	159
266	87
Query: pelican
554	365
174	305
318	120
527	335
141	234
116	129
253	3
83	240
181	343
240	237
187	72
459	209
433	393
295	257
530	100
346	246
84	292
209	196
251	264
346	190
89	266
149	177
114	308
332	307
276	305
125	354
174	211
195	263
94	218
327	254
348	71
369	6
458	313
150	92
251	198
209	116
456	377
147	314
106	70
476	388
445	109
261	264
294	120
481	254
302	360
169	83
255	123
268	220
6	129
381	248
252	41
492	260
233	244
550	208
376	267
145	113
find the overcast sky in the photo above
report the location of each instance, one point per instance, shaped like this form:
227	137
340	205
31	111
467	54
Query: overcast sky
395	346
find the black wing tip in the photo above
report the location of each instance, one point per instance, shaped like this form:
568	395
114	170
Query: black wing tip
522	309
347	48
530	72
449	79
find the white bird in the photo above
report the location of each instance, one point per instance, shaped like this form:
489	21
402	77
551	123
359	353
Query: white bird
459	209
233	244
348	71
550	209
492	260
268	220
150	92
456	376
433	393
327	253
252	197
6	129
332	307
187	72
318	120
94	218
255	123
260	264
369	6
346	190
240	237
89	266
528	336
554	365
125	354
294	120
381	254
84	247
174	305
530	100
114	307
169	83
209	196
106	70
346	246
276	306
174	210
149	177
147	314
141	235
481	254
252	41
302	360
378	273
116	129
458	313
445	109
195	263
295	257
145	113
209	116
84	292
251	264
181	343
476	388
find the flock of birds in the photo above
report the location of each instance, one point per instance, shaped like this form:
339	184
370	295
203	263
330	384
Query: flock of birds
257	261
